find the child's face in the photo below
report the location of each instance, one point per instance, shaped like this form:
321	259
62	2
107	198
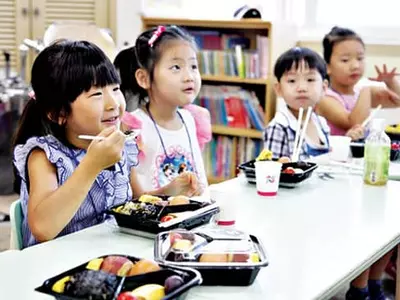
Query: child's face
176	75
301	87
94	111
347	62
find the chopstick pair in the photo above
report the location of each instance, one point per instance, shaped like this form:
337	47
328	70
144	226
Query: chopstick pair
300	133
371	116
129	135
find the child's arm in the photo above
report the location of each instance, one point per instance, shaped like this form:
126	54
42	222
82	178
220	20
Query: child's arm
51	207
185	184
335	113
356	133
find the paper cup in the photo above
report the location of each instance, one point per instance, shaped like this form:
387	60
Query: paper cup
340	147
267	177
227	206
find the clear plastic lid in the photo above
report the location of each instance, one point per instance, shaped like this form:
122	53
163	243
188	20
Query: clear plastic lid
208	245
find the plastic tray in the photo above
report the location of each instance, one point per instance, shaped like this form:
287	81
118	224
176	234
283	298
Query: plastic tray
232	272
148	227
191	278
286	180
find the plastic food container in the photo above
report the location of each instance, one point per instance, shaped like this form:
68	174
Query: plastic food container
286	180
149	215
88	282
222	256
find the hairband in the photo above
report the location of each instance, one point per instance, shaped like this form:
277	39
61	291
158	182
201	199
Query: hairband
156	35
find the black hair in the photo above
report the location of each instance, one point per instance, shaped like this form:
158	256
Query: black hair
60	73
294	56
144	56
337	35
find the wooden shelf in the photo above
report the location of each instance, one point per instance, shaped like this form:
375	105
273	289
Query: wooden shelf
242	132
214	180
231	24
222	78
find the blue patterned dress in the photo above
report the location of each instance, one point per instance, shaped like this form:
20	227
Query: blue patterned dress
111	187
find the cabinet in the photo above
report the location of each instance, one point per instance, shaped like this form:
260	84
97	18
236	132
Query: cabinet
21	19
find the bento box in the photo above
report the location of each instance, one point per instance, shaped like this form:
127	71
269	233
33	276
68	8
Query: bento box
222	256
292	174
121	277
149	215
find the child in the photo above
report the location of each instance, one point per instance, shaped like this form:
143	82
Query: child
125	62
65	182
162	75
344	105
300	73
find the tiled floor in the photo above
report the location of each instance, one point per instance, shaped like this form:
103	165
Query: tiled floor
5	202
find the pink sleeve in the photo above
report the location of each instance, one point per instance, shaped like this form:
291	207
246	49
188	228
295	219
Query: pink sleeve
202	120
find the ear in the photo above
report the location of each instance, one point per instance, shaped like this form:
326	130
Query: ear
143	79
328	69
278	89
62	119
325	85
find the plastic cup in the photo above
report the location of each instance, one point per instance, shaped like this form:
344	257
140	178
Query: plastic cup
340	148
267	177
227	206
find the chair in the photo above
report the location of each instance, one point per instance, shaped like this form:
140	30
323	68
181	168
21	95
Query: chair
16	225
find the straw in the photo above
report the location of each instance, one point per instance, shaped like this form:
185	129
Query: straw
371	116
296	139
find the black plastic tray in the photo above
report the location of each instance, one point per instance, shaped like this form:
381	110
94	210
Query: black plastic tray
190	276
229	274
151	226
286	180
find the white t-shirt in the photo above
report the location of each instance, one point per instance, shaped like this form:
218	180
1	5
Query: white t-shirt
157	169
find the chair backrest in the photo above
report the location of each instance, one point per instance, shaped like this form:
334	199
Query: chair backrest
16	225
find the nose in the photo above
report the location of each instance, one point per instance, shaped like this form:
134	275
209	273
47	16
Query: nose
301	86
355	64
188	75
111	102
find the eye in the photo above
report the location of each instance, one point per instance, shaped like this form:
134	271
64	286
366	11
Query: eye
311	79
194	67
361	58
175	68
291	80
116	89
345	60
97	94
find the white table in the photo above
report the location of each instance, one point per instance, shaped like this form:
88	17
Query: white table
317	236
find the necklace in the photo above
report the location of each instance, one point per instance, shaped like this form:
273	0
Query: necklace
162	141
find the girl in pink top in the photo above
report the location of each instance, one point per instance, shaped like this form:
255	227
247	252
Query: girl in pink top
344	106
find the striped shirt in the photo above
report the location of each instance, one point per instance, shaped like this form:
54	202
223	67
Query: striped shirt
110	187
280	134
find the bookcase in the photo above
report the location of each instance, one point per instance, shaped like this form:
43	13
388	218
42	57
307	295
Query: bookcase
233	55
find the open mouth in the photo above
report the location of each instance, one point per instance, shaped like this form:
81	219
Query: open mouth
189	90
111	120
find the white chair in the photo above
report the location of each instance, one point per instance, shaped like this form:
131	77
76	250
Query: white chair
16	225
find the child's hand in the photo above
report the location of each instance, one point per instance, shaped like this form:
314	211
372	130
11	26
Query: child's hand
384	75
107	152
356	133
185	184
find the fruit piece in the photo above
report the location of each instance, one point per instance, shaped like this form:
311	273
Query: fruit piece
173	237
149	199
128	296
289	170
59	286
214	258
254	257
284	160
264	155
395	146
184	245
179	200
143	266
167	218
117	265
172	283
187	235
95	264
240	257
298	171
150	291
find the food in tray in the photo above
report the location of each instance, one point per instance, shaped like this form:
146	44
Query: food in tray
264	155
143	266
141	209
117	265
150	199
178	200
88	284
393	128
291	170
153	291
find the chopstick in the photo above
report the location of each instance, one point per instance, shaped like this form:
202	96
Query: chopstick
302	135
129	136
371	116
298	127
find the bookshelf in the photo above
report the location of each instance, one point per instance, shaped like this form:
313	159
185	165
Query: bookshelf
261	84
